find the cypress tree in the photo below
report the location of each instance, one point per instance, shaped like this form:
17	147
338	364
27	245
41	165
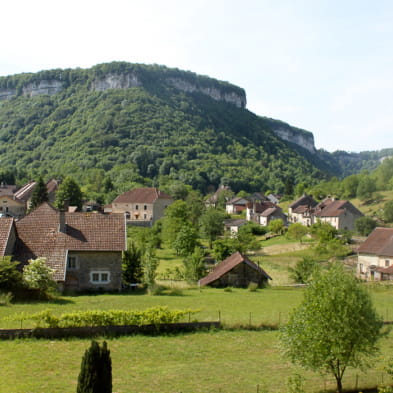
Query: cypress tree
40	194
96	370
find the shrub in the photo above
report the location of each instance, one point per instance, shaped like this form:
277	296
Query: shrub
252	286
5	299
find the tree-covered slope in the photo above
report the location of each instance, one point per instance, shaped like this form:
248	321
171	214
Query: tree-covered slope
137	123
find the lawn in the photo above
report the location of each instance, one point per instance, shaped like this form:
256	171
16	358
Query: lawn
216	361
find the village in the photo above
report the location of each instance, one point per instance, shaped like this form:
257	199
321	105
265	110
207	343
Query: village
84	248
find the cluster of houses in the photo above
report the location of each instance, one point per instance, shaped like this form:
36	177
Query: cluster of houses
85	248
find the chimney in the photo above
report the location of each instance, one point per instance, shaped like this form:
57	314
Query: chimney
62	222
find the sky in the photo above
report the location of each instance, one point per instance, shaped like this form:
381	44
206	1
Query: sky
325	66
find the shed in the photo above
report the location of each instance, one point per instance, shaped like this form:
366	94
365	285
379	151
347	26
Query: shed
235	271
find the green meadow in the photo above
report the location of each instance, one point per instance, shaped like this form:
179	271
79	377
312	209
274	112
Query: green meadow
239	358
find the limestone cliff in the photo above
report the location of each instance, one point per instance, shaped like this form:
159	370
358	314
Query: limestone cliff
299	137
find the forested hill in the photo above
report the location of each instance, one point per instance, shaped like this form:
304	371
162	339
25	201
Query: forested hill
139	124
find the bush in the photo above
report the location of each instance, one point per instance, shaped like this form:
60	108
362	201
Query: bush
10	276
37	275
154	315
252	286
5	299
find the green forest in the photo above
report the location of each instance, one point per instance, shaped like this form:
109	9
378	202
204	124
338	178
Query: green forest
151	134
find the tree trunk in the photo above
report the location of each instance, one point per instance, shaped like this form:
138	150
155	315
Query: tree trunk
339	384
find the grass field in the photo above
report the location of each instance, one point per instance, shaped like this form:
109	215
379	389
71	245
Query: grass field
225	361
203	362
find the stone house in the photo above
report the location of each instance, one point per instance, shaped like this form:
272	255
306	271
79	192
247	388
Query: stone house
12	207
236	271
236	205
375	256
84	249
338	213
25	192
223	193
233	225
301	210
255	209
142	206
272	213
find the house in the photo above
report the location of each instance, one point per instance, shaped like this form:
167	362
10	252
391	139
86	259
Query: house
236	205
142	206
375	255
301	210
272	213
223	193
275	198
6	189
235	271
255	209
233	225
26	192
340	214
12	207
84	249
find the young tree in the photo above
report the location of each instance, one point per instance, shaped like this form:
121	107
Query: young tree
96	370
10	276
176	215
276	226
365	225
186	240
40	194
297	231
388	211
194	267
212	224
335	327
38	275
132	263
303	270
149	265
70	191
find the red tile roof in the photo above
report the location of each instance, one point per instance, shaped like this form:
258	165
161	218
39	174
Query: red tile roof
336	208
379	242
227	265
39	235
306	200
260	207
5	230
141	195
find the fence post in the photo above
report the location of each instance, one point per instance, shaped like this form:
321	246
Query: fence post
249	321
219	316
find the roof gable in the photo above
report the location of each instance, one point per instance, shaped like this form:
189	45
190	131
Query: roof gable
5	231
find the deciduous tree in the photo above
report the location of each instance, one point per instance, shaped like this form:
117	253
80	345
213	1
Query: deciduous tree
335	327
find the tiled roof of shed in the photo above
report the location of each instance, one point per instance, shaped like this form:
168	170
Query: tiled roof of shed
227	265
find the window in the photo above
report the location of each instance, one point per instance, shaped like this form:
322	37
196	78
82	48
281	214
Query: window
71	264
144	207
136	207
387	262
100	277
145	216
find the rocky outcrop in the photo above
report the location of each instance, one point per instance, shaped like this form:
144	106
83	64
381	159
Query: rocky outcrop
48	87
116	81
213	92
299	137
